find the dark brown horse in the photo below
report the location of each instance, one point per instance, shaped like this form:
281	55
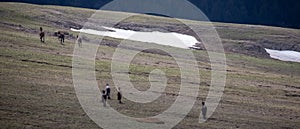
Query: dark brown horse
42	35
61	37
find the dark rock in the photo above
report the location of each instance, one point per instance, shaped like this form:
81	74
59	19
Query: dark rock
253	49
280	45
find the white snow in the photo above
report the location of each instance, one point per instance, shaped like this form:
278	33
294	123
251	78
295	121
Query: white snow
170	39
285	55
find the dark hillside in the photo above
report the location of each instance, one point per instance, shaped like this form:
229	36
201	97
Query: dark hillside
282	13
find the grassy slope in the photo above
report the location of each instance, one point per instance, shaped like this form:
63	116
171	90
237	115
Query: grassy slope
36	86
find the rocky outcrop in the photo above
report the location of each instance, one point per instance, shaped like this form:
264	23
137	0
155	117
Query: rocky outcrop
276	45
254	49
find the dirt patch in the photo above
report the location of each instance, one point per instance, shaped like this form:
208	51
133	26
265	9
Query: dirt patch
150	120
46	63
19	27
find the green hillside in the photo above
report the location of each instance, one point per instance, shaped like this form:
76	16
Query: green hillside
36	86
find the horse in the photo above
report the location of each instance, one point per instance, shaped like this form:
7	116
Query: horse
42	36
79	41
61	37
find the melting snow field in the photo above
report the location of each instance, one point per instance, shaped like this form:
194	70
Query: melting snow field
169	39
175	40
293	56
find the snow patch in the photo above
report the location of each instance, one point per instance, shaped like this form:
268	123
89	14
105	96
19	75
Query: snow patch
169	39
285	55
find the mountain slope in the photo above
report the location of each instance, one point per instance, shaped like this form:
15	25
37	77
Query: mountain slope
37	91
244	39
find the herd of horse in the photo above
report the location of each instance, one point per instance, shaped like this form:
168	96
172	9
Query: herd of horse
61	37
